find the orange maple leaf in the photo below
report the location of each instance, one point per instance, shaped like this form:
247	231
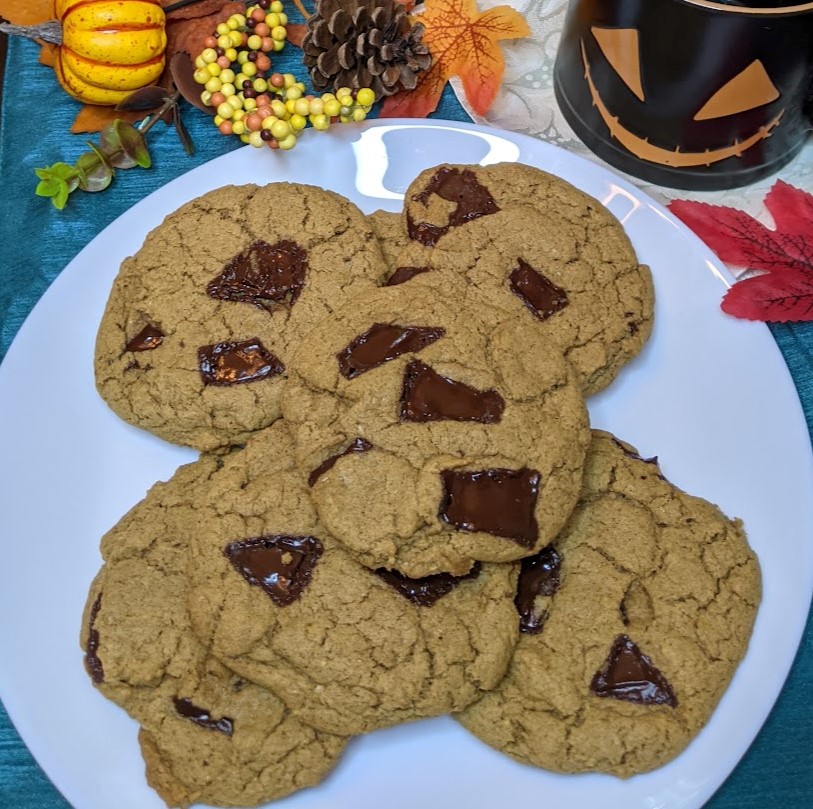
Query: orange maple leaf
27	12
463	42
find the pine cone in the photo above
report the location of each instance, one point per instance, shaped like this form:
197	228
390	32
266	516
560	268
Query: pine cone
364	43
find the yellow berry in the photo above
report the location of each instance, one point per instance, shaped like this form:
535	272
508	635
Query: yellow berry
249	69
272	20
316	106
256	139
345	119
278	45
227	75
213	84
250	104
260	85
275	7
280	129
288	79
218	119
279	33
302	106
201	75
231	54
244	137
224	41
298	122
359	114
232	23
239	79
213	69
206	97
239	115
228	90
225	110
365	97
269	121
238	127
287	143
293	93
222	28
235	40
346	101
278	108
332	107
289	106
208	55
242	57
343	91
283	18
320	122
199	62
255	42
233	100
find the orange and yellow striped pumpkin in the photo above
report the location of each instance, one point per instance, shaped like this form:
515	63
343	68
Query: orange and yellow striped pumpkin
110	48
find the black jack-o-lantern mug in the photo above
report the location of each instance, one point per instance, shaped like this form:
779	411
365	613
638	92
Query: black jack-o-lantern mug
690	94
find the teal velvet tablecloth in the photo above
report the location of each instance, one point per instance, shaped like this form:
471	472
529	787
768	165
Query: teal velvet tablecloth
37	242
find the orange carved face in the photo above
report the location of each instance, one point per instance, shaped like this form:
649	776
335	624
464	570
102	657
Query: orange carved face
723	110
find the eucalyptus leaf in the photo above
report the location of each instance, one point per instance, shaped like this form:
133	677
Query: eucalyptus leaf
61	197
96	173
49	187
133	143
144	99
110	143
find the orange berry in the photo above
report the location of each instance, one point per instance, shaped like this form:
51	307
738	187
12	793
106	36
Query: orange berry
217	99
261	29
267	44
210	42
263	62
276	80
224	62
254	121
273	143
258	14
264	112
226	128
263	100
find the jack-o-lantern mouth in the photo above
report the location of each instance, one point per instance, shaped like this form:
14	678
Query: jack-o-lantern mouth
645	150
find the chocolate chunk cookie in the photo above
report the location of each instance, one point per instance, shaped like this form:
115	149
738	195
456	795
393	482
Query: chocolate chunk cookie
433	435
349	649
633	622
531	244
207	734
200	323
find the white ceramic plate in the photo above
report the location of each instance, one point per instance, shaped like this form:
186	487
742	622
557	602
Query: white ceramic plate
710	396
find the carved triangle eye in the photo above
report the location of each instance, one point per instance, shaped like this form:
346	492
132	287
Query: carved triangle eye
620	49
747	90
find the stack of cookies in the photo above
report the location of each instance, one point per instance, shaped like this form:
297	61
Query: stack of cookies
400	509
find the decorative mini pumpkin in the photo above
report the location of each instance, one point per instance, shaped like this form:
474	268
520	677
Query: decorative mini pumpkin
109	49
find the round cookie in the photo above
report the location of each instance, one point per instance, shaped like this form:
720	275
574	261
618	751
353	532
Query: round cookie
633	622
207	734
433	435
571	267
349	649
200	322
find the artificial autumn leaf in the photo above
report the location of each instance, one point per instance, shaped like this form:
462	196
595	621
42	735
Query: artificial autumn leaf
94	119
296	33
200	8
463	42
783	256
27	12
187	34
48	54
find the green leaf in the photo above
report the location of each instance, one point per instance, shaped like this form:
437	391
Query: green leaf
96	173
61	198
133	143
111	145
48	187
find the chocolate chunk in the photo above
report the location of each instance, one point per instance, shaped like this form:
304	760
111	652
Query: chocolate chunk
235	363
403	274
539	576
628	674
428	396
200	716
497	501
461	187
281	565
425	591
147	339
267	275
358	445
542	297
383	342
93	665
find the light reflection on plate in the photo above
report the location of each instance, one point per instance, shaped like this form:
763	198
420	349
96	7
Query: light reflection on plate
704	396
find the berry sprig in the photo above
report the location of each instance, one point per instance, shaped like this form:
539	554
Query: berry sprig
261	107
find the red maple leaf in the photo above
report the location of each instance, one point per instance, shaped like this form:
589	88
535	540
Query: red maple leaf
782	289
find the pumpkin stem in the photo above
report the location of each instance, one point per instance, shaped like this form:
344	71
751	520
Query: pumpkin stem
50	31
